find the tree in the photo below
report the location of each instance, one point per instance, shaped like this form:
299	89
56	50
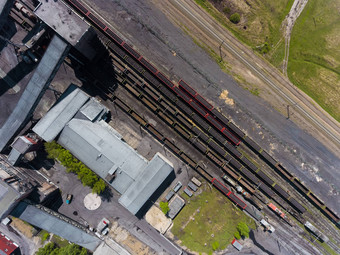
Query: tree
243	229
99	187
164	207
46	250
72	249
235	18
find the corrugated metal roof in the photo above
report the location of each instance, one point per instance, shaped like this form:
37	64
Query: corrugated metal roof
55	225
8	196
54	121
98	147
146	184
41	78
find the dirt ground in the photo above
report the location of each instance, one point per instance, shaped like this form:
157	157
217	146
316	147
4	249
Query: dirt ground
156	218
129	242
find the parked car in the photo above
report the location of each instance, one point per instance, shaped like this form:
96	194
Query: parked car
69	198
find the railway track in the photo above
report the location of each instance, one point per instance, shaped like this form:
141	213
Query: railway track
294	97
168	101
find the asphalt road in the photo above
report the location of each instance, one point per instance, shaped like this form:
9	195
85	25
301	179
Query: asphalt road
109	208
27	247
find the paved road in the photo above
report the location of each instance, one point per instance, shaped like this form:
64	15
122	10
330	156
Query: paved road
109	208
27	247
296	98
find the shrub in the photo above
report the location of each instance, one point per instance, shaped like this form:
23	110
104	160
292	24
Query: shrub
265	48
164	207
235	18
243	229
215	245
237	235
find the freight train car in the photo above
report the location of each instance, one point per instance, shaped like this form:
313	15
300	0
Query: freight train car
215	116
228	193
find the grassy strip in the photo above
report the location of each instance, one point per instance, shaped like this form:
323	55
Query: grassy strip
314	59
87	177
208	221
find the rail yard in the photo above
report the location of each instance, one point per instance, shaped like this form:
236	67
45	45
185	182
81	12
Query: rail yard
206	130
153	110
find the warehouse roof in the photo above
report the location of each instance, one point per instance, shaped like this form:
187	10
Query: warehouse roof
146	184
102	150
35	88
59	226
54	121
8	196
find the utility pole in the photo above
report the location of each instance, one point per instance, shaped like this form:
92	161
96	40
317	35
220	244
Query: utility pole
220	48
287	111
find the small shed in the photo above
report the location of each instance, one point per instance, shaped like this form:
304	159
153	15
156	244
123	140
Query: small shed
192	186
237	244
188	192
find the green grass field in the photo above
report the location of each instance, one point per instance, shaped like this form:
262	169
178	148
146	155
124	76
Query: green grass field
260	20
314	59
202	222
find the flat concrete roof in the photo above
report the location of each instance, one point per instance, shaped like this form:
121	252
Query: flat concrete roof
62	20
35	88
176	204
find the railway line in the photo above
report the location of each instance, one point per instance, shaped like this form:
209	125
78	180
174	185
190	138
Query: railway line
208	130
206	144
294	97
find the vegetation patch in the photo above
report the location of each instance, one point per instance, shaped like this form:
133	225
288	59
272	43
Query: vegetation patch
164	207
86	176
258	22
208	221
53	249
44	235
314	55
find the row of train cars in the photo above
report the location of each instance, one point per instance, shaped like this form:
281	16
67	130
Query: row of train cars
226	129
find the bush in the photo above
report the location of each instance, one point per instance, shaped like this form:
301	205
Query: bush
265	48
46	250
44	237
226	10
237	235
164	207
52	249
73	165
243	229
215	245
235	18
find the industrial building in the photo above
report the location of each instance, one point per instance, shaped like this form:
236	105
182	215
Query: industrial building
7	246
11	192
77	121
55	223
